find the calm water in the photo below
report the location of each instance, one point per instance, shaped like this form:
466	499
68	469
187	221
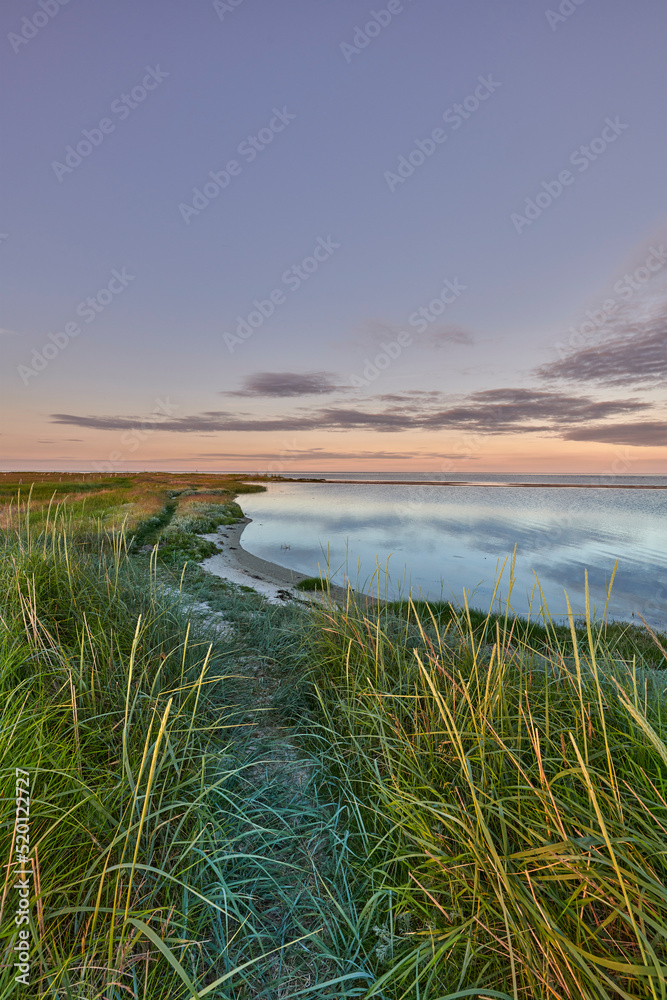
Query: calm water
441	540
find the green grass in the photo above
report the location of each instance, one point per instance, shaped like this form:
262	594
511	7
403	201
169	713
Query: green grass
11	490
176	530
133	498
504	789
240	487
312	583
511	804
101	707
169	853
400	801
623	639
149	530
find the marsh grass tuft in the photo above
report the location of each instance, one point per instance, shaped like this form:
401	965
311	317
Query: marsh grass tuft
312	583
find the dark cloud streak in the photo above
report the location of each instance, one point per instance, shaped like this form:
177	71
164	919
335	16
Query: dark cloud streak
286	384
293	454
494	411
633	360
643	434
627	346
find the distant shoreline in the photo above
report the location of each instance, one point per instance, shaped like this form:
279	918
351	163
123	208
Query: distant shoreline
438	482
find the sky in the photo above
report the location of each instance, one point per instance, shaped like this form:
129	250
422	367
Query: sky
330	235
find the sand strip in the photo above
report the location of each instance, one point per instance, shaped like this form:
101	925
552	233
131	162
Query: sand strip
277	583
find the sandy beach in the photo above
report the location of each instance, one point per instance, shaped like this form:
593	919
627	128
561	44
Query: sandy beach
275	582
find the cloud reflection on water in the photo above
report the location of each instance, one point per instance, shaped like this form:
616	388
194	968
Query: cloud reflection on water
443	539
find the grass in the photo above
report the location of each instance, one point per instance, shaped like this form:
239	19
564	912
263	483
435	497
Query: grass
168	856
102	709
312	583
177	527
400	801
622	639
511	804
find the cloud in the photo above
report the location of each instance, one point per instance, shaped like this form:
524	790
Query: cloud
493	411
642	434
410	401
375	332
202	423
59	441
287	384
8	333
503	411
444	335
411	396
627	347
288	454
637	359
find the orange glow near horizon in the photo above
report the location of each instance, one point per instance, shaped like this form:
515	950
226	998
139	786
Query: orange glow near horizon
98	451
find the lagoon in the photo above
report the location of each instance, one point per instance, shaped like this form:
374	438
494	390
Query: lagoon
443	541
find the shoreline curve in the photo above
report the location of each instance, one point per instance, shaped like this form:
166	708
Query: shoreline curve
275	582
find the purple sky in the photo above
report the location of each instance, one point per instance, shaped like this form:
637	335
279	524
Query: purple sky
373	160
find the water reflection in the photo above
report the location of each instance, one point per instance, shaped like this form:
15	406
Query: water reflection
442	540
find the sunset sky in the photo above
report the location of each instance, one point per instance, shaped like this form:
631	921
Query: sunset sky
333	235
